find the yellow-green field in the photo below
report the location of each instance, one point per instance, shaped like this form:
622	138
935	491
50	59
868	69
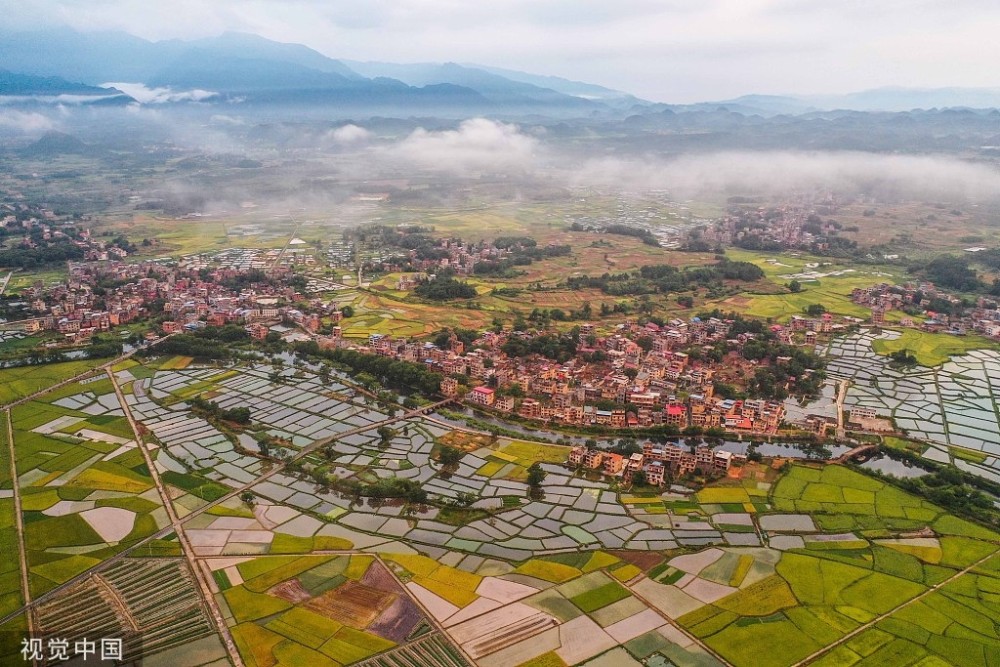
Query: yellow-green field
833	292
16	383
931	349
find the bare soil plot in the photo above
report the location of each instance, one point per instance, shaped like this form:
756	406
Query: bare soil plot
353	604
500	629
111	523
582	638
671	600
695	563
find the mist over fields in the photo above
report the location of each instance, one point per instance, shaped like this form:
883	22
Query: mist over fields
312	160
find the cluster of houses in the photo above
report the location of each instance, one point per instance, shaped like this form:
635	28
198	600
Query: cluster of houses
98	296
659	463
42	225
455	254
983	318
629	387
790	226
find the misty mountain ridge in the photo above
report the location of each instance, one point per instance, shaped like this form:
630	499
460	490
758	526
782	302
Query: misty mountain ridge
31	88
491	85
249	69
252	69
887	99
54	143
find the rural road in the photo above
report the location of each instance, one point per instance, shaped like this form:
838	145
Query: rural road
841	397
188	550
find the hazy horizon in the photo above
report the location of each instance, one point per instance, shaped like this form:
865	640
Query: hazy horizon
661	51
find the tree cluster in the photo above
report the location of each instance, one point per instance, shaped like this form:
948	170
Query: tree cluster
56	252
558	347
521	256
444	288
403	376
663	278
952	273
236	415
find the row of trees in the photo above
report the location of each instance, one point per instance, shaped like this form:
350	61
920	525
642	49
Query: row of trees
444	288
403	376
211	408
192	345
558	347
43	255
643	235
955	490
663	278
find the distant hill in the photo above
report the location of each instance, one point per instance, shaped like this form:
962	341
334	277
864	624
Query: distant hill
494	87
905	99
879	99
202	69
587	91
255	70
58	89
12	83
58	143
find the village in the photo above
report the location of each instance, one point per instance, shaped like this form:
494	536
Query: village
639	376
657	464
944	312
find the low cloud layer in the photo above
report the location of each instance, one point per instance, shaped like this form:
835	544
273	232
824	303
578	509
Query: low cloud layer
25	122
777	173
146	95
349	134
478	144
484	145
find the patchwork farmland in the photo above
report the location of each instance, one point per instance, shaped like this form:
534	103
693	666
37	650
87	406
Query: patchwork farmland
292	570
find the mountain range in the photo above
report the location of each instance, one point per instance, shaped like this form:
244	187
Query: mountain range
62	65
251	69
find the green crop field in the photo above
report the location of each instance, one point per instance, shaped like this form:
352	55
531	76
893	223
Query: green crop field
548	571
79	508
955	625
931	349
820	593
334	619
831	291
600	597
16	383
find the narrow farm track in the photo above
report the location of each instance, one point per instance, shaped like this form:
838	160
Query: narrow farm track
204	588
842	388
164	532
19	519
826	649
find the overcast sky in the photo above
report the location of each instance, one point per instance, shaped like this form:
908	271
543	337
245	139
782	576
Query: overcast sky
664	50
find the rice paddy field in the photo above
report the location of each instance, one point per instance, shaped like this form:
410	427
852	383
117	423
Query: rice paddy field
323	610
930	349
379	314
816	563
382	308
945	407
151	604
831	287
85	491
17	383
10	571
860	578
511	461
